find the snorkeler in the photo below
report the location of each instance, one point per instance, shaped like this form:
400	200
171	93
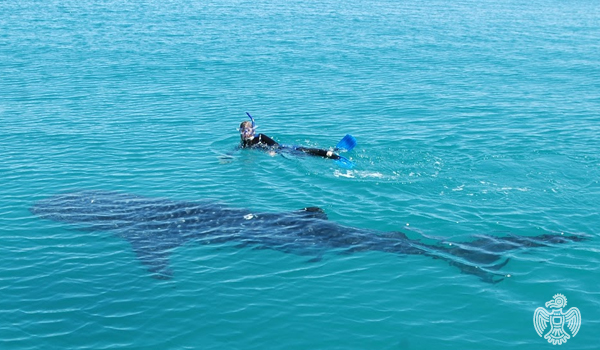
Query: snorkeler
250	139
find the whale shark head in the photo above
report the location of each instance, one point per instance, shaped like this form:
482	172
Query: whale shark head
69	207
96	206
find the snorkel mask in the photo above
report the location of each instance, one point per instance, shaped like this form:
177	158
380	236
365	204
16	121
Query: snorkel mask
248	132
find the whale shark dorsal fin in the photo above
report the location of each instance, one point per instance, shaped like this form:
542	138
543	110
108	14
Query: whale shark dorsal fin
314	212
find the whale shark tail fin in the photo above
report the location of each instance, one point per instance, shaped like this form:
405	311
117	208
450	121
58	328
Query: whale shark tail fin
480	257
488	275
498	245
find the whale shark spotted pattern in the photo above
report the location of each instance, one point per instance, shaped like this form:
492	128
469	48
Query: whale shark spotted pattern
155	226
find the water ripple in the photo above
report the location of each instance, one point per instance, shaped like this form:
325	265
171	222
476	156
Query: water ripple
471	118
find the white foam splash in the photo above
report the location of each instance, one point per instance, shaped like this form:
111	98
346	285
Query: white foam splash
360	174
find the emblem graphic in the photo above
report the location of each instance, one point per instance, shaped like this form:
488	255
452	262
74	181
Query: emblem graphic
557	318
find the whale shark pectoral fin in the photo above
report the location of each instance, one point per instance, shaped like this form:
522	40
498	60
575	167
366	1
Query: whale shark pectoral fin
155	258
315	259
314	212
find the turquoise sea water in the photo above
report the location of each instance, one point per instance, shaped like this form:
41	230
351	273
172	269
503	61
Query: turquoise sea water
472	117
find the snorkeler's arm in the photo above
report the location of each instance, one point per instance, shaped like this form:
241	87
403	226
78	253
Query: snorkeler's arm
262	138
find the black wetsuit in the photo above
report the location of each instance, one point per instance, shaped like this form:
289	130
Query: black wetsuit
262	140
258	141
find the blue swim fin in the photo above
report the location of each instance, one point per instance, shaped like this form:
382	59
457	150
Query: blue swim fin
347	143
344	163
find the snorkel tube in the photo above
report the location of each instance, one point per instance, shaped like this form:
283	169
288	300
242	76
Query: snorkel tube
252	120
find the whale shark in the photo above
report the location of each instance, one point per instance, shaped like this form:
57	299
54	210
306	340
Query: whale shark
156	226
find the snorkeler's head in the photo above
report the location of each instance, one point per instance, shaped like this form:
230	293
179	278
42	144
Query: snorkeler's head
246	130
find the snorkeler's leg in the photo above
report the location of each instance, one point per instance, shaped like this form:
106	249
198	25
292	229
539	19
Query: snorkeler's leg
318	152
